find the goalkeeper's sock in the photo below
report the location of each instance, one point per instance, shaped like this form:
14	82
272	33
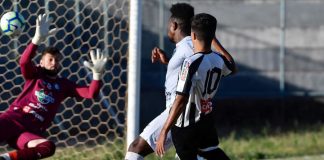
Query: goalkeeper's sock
133	156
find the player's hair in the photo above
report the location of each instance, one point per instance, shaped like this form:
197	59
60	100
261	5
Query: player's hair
204	26
53	51
182	13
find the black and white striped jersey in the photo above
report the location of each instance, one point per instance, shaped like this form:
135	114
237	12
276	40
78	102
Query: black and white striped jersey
199	78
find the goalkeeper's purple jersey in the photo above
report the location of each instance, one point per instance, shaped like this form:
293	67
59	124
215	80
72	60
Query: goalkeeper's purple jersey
37	104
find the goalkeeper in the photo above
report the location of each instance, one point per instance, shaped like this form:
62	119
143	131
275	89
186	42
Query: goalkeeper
22	125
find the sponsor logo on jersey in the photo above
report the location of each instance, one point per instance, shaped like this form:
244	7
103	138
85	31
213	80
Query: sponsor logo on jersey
56	86
36	115
168	95
206	105
44	98
29	110
38	106
26	109
49	86
184	70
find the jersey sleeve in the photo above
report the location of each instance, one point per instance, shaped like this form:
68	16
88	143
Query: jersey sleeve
185	80
28	69
226	69
90	91
187	52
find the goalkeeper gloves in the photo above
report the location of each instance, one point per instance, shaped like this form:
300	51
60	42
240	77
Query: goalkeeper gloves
42	29
98	63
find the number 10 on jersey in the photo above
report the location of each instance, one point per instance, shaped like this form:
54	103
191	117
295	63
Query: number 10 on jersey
212	80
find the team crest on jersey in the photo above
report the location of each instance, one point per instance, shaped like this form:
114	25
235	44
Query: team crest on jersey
184	70
44	98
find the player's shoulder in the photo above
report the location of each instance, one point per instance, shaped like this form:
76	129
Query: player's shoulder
216	54
194	57
218	57
213	57
185	45
187	41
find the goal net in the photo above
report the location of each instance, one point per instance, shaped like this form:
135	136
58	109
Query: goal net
86	129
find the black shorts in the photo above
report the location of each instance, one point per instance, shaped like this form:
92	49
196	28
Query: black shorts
189	140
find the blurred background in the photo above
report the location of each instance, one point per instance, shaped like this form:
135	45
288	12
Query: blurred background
278	91
272	108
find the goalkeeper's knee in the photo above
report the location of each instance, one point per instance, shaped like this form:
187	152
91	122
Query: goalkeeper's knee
46	149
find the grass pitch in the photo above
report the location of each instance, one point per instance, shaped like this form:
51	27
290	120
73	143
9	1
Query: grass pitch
245	145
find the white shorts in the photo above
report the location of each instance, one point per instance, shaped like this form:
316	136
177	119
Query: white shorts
152	131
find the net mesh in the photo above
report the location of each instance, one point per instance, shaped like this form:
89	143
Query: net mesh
81	129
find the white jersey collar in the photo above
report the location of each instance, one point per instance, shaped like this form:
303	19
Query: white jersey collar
183	40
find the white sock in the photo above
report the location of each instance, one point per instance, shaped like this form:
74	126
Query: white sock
133	156
5	156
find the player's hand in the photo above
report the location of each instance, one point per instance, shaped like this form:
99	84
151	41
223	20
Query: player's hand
159	55
97	66
42	29
159	149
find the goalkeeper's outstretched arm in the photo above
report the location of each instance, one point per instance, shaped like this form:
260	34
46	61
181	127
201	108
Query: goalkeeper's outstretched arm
28	69
97	66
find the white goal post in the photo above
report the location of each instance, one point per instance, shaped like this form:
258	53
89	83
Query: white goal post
134	67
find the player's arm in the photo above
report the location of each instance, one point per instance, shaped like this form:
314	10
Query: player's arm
97	66
176	110
28	69
90	91
188	69
159	55
229	60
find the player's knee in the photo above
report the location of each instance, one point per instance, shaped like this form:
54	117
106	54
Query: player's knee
135	145
46	149
140	146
